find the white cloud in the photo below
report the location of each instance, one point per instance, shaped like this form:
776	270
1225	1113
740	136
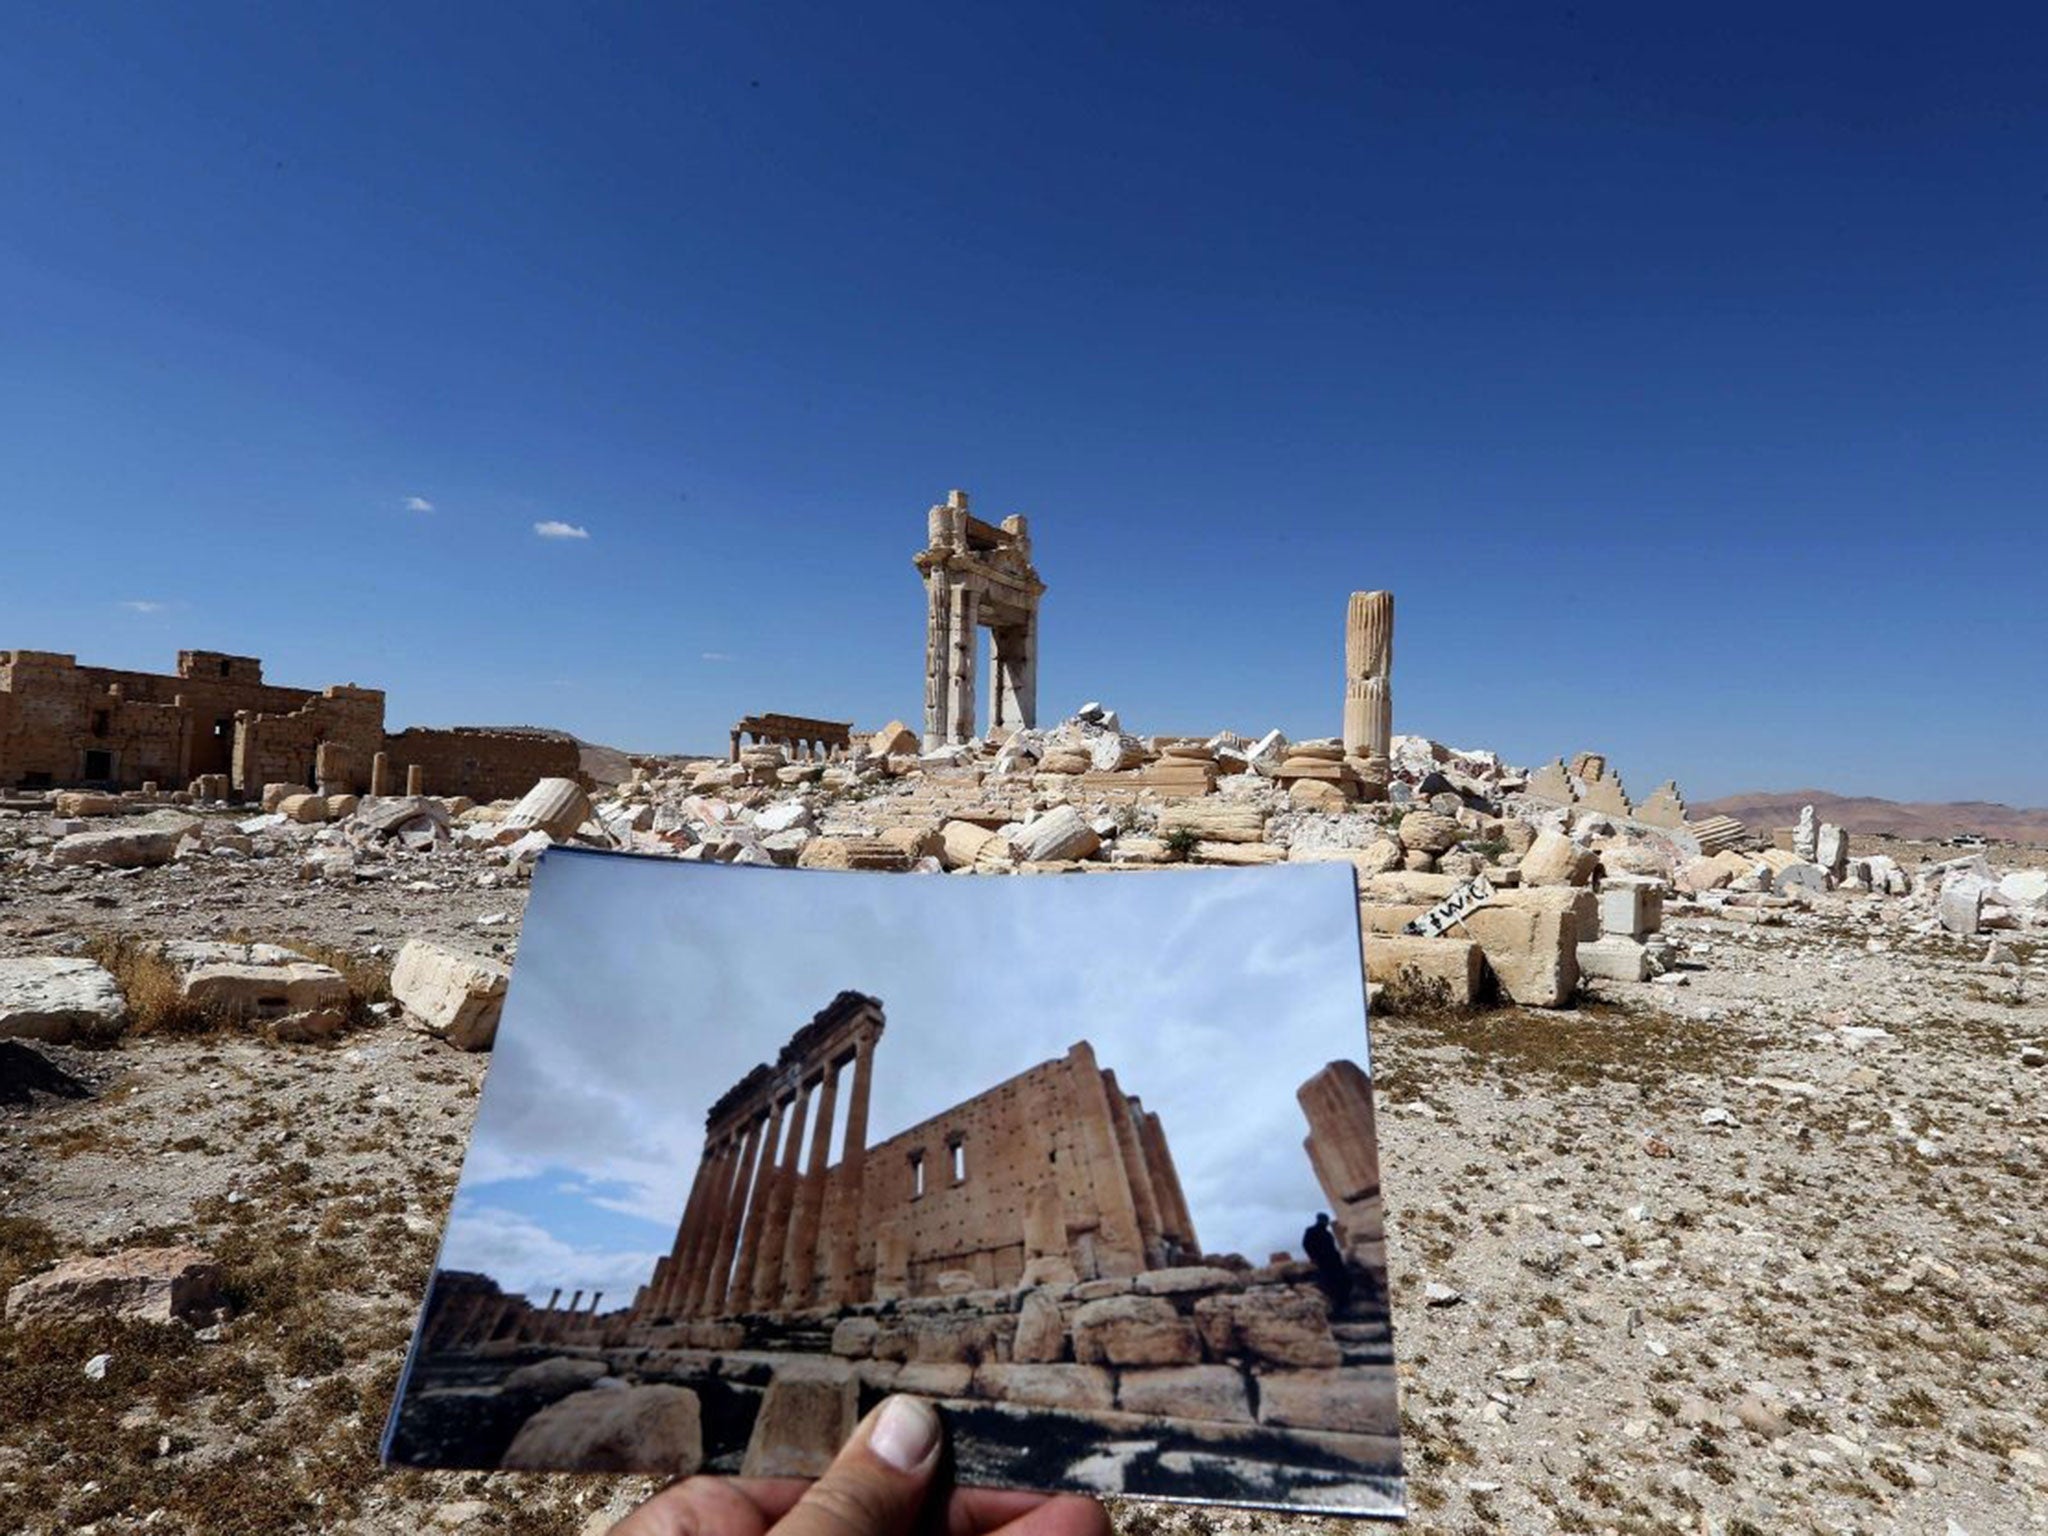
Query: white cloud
557	530
524	1257
718	655
144	605
418	504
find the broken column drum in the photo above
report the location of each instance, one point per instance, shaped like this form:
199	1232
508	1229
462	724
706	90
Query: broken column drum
1368	665
978	576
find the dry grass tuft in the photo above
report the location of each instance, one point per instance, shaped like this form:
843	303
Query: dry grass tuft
156	1004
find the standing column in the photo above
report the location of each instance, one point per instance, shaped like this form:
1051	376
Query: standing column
709	1288
697	1258
800	1257
1368	665
729	1229
843	1257
938	651
758	1213
661	1296
767	1281
1174	1215
380	774
1143	1196
960	665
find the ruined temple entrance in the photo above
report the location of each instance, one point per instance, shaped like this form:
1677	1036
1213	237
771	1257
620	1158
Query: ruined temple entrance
978	576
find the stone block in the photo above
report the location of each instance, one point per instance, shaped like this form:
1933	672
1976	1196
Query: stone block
557	1377
1424	967
1616	957
658	1429
1060	833
934	1378
1134	1330
303	808
1212	1392
961	842
118	848
458	997
1215	823
1532	951
805	1416
1960	906
854	1338
1270	1325
156	1285
1075	1388
1632	911
1239	853
1318	795
1554	859
1357	1400
554	806
2021	888
952	1340
1831	849
59	998
1188	1280
894	740
1041	1335
296	999
86	802
1427	832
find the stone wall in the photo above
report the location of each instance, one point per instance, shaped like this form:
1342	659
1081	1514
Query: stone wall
482	763
285	748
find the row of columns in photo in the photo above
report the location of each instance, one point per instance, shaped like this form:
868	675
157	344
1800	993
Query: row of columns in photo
469	1318
803	739
752	1236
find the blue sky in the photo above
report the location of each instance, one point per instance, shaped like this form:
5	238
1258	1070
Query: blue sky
1681	372
646	987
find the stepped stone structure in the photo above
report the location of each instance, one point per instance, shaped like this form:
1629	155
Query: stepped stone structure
216	721
978	575
1368	667
1055	1175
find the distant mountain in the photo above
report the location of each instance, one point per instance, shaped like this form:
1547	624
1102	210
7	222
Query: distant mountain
1764	810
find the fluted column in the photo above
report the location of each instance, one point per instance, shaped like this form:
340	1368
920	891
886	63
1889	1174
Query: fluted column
735	1219
767	1281
800	1257
697	1258
1368	668
843	1258
741	1295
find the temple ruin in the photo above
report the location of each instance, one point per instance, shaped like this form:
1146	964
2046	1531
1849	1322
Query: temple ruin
216	720
1054	1175
803	738
978	575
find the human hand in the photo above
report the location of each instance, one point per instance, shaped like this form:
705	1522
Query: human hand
877	1486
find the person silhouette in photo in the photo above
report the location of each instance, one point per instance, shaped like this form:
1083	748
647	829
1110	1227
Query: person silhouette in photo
1319	1242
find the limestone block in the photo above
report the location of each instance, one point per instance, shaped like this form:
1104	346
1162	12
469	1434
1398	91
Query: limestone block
1960	906
1065	760
1113	754
1239	853
1041	1335
854	1338
1422	967
1806	835
1358	1400
1631	910
1270	1325
1532	951
960	842
1058	834
554	806
303	808
2021	888
893	740
157	1285
657	1429
1187	1280
1615	957
852	853
557	1377
780	817
1415	859
86	802
1133	1330
274	794
58	998
917	842
805	1416
1212	1392
1703	875
458	997
1427	832
1796	879
340	806
1076	1388
1267	753
118	848
1831	849
1049	1269
297	998
953	1339
1554	859
1318	795
1215	823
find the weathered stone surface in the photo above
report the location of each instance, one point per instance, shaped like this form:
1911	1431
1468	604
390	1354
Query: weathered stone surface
1532	952
1630	910
303	808
1554	859
657	1429
1960	906
1424	967
297	998
130	847
854	1337
1213	1392
58	998
158	1285
1703	875
1188	1280
557	1377
1133	1330
1615	957
1806	835
1358	1400
1240	853
1427	832
1214	823
1318	795
86	802
1058	834
893	740
2023	888
458	997
956	1339
1041	1335
1831	849
1077	1388
935	1378
961	842
1271	1326
806	1414
554	806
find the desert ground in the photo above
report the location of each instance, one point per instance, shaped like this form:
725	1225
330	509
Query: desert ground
1749	1246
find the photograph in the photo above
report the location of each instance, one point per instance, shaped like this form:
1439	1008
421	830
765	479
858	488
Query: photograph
1090	1165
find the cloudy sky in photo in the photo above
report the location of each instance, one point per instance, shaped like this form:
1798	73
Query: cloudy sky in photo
645	987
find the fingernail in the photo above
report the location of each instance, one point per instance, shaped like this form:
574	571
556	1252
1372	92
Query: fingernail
906	1433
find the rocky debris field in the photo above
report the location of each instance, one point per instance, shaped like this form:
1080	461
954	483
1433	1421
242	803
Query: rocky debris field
1739	1240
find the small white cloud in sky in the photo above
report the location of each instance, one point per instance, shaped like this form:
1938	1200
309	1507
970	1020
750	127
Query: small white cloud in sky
552	529
718	655
144	605
418	504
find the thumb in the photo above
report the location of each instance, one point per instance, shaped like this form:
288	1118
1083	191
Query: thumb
878	1482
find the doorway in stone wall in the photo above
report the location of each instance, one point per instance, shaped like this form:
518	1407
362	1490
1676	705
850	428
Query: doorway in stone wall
99	765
